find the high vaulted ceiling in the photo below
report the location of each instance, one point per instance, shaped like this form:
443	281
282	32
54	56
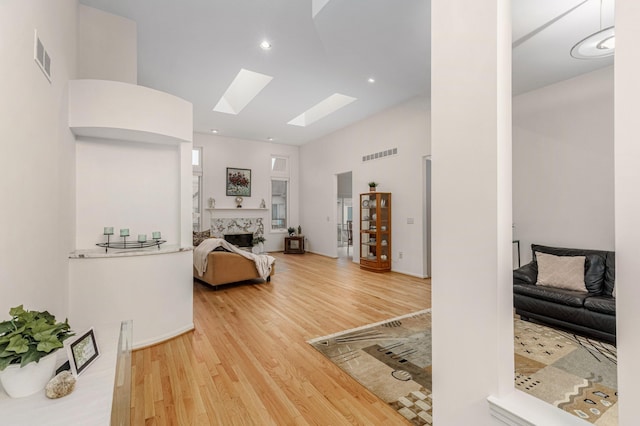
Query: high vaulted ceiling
195	48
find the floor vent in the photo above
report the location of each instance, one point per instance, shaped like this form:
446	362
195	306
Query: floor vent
42	57
382	154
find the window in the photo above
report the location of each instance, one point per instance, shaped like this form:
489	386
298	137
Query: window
279	205
279	193
196	162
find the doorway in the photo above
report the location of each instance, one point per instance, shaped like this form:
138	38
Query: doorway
427	217
345	216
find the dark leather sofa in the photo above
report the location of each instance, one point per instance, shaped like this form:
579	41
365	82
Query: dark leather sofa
592	314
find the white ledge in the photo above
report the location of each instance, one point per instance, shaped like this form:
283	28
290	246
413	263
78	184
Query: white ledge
95	253
235	209
521	409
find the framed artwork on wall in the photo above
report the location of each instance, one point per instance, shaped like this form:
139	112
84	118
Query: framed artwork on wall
238	182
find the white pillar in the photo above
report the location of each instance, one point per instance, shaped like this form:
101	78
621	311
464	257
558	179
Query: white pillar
627	206
471	208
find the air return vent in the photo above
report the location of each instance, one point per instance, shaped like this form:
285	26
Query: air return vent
42	57
382	154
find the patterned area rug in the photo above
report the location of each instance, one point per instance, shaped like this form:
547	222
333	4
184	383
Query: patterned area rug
575	374
393	360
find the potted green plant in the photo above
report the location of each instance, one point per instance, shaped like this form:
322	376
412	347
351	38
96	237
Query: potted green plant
258	243
291	231
372	186
28	345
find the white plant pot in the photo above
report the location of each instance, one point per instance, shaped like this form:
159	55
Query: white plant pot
255	250
260	247
32	378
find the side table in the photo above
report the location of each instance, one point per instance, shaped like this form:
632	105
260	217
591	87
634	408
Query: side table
294	245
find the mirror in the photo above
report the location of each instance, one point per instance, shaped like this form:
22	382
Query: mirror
563	212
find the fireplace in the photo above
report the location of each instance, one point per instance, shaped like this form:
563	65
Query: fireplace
240	240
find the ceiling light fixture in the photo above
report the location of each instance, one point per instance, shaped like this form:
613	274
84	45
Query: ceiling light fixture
600	44
371	80
265	45
214	131
270	139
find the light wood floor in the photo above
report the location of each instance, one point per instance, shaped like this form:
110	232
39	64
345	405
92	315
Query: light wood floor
248	363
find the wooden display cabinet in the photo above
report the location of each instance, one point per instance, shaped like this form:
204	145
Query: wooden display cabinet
375	231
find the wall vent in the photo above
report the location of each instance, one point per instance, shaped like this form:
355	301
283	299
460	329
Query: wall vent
382	154
42	57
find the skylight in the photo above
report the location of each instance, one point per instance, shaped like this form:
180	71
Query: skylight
241	91
316	6
322	109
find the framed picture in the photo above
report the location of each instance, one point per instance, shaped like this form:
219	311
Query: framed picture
82	352
238	182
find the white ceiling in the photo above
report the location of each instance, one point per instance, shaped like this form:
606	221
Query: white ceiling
195	48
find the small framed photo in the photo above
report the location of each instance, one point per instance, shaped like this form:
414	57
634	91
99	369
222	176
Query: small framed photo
238	182
82	352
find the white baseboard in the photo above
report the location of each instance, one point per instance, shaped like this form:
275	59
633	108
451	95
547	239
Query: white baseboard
164	337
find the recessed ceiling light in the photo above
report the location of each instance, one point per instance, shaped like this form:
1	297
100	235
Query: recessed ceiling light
241	91
270	139
322	109
265	45
371	80
214	131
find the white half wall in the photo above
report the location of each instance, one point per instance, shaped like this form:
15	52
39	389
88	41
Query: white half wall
219	152
37	155
563	168
155	291
107	46
406	127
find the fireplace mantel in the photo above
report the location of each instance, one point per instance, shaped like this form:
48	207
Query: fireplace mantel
235	209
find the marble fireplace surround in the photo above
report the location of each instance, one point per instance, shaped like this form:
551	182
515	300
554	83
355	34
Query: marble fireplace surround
237	225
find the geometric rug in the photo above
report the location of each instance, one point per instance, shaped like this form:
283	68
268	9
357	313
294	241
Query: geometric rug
574	373
392	359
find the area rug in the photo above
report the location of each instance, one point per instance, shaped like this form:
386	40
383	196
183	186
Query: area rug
393	360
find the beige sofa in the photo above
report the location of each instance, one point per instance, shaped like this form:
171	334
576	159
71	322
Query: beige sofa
224	267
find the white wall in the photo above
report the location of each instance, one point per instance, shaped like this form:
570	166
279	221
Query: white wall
406	127
563	164
219	152
37	165
627	205
126	184
471	208
107	46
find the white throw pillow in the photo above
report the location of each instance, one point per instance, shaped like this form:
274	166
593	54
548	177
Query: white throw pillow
565	272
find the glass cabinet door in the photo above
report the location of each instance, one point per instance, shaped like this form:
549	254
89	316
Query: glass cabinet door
375	231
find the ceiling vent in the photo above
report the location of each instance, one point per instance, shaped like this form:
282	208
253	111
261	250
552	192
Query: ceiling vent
382	154
42	57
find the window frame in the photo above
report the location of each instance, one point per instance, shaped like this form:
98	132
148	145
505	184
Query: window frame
282	175
197	172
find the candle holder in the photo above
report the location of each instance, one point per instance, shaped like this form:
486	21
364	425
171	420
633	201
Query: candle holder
142	241
108	231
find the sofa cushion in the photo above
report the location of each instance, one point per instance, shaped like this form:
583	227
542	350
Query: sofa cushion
610	275
555	295
526	274
561	271
594	265
603	304
199	237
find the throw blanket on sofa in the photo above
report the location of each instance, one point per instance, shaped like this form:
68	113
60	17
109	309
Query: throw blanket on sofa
200	254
